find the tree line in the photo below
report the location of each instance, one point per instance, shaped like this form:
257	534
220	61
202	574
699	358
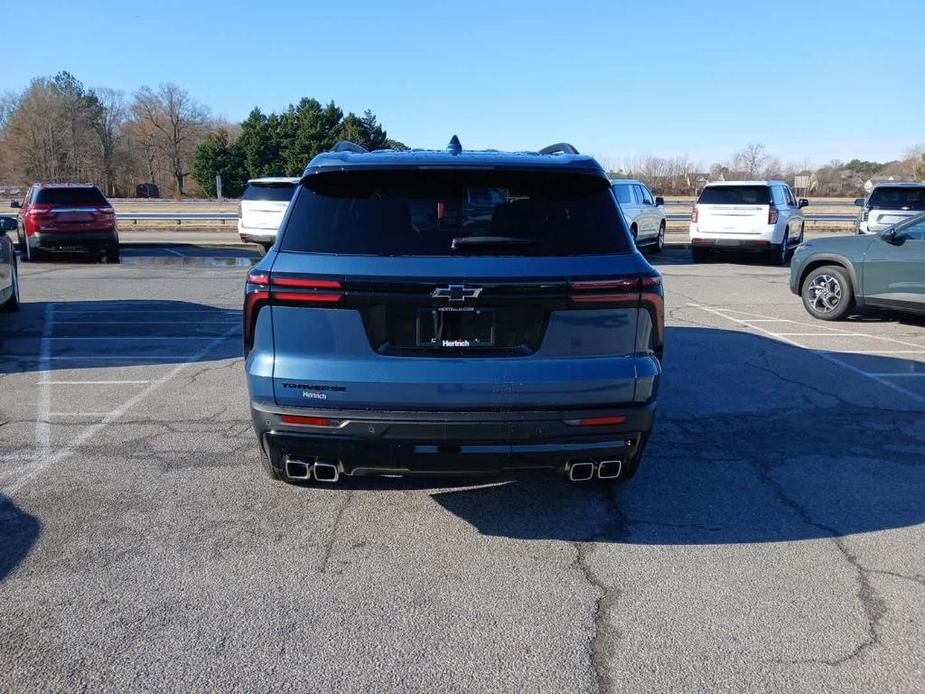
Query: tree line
57	129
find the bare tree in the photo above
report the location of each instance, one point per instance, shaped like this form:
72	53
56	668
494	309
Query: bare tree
752	160
178	124
108	119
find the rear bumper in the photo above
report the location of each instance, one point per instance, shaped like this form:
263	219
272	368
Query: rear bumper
256	234
57	240
368	442
744	245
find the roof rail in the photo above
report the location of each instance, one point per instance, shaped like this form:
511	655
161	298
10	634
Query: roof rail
559	148
348	146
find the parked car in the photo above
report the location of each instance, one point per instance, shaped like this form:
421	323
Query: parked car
66	216
889	204
262	208
9	273
147	190
644	215
760	216
388	332
887	270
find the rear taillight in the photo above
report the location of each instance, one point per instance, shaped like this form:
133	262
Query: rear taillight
772	215
261	289
641	292
694	213
34	217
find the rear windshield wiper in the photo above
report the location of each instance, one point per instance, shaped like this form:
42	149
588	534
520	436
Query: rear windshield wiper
462	243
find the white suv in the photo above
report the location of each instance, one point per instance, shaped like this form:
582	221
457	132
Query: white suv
759	216
263	207
644	215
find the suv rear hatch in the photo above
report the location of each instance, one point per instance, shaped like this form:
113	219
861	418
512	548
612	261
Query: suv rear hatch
71	209
890	205
392	291
734	210
264	204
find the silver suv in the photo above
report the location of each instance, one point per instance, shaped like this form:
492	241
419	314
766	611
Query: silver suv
644	215
888	204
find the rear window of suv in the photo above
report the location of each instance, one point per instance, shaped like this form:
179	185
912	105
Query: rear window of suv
735	195
455	212
275	192
90	197
897	198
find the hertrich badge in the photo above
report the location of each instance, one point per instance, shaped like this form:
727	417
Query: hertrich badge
456	293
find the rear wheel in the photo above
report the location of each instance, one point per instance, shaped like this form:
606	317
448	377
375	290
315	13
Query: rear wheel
827	293
12	304
781	256
660	239
113	254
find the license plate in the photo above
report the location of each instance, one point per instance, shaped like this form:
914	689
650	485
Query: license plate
456	328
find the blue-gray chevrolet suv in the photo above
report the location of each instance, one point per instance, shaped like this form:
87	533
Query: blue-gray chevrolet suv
453	312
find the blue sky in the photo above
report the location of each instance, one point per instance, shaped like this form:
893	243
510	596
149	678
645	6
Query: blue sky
810	80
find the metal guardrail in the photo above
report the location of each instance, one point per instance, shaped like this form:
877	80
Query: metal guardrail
222	217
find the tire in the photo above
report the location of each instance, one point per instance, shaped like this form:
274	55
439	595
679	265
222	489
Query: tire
12	304
113	255
781	256
827	293
635	234
659	244
699	255
264	248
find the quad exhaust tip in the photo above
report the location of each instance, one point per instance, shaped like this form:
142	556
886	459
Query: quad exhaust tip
326	472
609	469
581	472
298	470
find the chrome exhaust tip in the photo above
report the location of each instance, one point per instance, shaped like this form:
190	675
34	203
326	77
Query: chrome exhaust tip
326	472
581	472
609	469
298	470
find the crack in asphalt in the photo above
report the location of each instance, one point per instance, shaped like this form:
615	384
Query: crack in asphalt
329	543
600	645
872	604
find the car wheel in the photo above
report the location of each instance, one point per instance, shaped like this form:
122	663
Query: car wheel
660	239
699	255
635	232
827	293
781	256
12	304
113	255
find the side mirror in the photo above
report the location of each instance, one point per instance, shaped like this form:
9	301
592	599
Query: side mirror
15	204
889	235
803	202
859	202
659	201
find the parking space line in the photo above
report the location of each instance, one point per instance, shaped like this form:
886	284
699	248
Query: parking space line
77	414
880	351
92	383
822	334
44	461
828	356
43	404
819	327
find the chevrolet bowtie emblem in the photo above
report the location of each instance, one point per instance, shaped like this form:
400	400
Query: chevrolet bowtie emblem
456	292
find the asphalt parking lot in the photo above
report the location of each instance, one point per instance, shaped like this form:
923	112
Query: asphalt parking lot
773	539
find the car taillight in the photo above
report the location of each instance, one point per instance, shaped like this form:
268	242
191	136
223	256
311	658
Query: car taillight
694	213
772	215
261	289
642	292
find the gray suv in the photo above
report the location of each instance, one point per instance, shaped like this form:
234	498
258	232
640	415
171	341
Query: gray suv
454	312
889	204
644	214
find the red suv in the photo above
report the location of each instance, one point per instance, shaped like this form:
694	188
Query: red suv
66	216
